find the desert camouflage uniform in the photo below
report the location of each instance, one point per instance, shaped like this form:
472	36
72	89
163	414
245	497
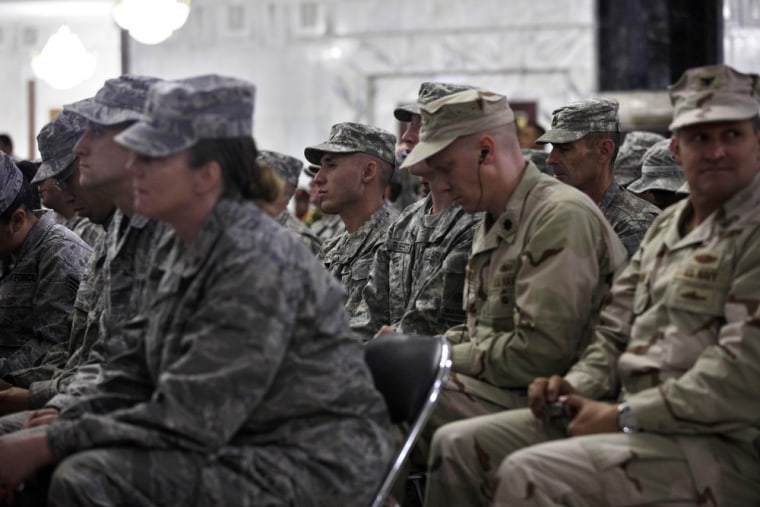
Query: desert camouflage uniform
37	295
291	223
688	371
417	275
233	396
630	216
535	281
349	256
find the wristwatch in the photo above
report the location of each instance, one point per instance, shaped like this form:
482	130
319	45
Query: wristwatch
627	423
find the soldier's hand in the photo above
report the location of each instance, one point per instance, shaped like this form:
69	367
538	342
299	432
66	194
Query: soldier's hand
546	390
24	453
591	417
41	417
385	330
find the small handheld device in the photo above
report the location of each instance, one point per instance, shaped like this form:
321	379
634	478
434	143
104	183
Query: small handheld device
558	415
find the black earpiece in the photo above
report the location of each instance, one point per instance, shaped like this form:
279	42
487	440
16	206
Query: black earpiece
483	154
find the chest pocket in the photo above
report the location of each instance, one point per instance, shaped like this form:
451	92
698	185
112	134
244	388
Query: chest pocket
700	285
360	270
499	304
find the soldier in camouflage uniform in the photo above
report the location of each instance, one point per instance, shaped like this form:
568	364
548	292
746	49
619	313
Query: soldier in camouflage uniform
661	176
232	396
628	161
55	141
111	291
585	139
356	163
289	168
46	263
542	259
679	340
417	277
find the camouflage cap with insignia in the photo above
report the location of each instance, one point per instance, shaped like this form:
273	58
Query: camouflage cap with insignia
351	137
659	170
56	142
628	160
287	167
446	119
578	119
120	100
713	93
180	113
11	181
428	92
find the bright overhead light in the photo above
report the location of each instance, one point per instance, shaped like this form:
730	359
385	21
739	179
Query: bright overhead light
64	62
151	21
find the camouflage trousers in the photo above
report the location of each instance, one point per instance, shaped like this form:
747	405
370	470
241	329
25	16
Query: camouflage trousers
142	478
467	467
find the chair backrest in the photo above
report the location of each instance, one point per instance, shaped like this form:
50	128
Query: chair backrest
409	371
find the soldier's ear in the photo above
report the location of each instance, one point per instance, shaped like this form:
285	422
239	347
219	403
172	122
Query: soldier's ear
18	218
208	176
369	171
675	149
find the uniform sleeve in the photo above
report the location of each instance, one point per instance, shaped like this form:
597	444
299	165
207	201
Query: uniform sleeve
719	392
373	310
556	282
59	274
232	346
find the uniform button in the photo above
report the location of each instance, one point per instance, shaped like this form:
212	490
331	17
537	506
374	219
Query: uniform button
507	225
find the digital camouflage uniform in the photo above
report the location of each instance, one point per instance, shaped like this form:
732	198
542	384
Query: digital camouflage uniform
417	276
630	216
349	256
327	226
307	236
229	393
680	336
85	229
37	295
629	158
289	169
233	397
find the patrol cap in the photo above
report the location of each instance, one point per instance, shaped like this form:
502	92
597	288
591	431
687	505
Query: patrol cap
683	189
659	170
287	167
311	170
56	142
713	93
578	119
120	100
351	137
180	113
628	160
456	115
428	92
11	180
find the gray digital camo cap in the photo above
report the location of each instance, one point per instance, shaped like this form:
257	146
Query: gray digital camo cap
351	137
120	100
56	142
428	92
11	180
713	93
287	167
578	119
180	113
457	115
628	160
659	170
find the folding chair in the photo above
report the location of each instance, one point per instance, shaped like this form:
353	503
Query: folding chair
409	371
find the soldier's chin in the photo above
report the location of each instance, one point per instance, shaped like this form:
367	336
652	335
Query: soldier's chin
325	207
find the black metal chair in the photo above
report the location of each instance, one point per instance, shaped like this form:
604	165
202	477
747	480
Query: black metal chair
410	372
